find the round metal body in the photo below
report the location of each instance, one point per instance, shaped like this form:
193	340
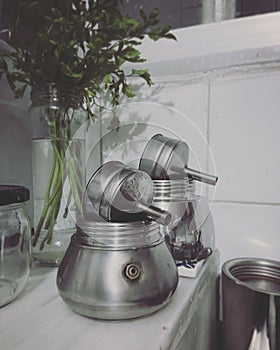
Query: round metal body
162	157
116	271
114	188
251	304
118	194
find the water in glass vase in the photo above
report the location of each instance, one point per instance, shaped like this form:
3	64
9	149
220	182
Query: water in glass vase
58	178
57	117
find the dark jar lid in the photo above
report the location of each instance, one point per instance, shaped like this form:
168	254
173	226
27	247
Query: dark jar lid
10	194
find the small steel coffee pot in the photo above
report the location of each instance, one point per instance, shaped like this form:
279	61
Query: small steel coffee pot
118	193
116	271
165	158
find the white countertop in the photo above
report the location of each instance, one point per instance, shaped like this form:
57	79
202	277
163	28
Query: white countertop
39	319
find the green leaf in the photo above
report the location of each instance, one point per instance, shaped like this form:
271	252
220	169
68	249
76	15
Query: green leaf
3	64
128	92
69	73
19	92
142	73
106	80
143	14
11	80
170	36
154	13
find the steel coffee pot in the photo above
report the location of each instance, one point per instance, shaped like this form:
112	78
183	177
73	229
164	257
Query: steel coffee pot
116	271
165	158
118	193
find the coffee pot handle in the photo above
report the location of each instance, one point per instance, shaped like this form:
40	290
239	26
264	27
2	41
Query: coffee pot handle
163	217
200	176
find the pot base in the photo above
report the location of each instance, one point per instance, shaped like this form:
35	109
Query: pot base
113	313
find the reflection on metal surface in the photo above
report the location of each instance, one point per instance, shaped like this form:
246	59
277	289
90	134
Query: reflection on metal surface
259	340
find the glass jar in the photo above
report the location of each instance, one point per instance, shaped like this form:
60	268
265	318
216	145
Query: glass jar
57	120
15	243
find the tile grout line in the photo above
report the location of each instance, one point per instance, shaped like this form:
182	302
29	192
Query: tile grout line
208	99
218	201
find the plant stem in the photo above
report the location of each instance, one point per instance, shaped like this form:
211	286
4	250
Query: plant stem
63	168
47	200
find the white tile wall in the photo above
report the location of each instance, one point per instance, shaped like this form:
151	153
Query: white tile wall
244	137
15	141
239	115
247	230
187	120
15	144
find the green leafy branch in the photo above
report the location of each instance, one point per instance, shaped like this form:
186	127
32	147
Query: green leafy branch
78	43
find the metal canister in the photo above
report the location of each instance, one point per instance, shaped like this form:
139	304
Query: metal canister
251	304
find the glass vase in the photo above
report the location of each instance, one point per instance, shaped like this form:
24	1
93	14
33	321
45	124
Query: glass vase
58	167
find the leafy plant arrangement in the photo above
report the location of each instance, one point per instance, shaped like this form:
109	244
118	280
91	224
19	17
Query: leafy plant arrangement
81	44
